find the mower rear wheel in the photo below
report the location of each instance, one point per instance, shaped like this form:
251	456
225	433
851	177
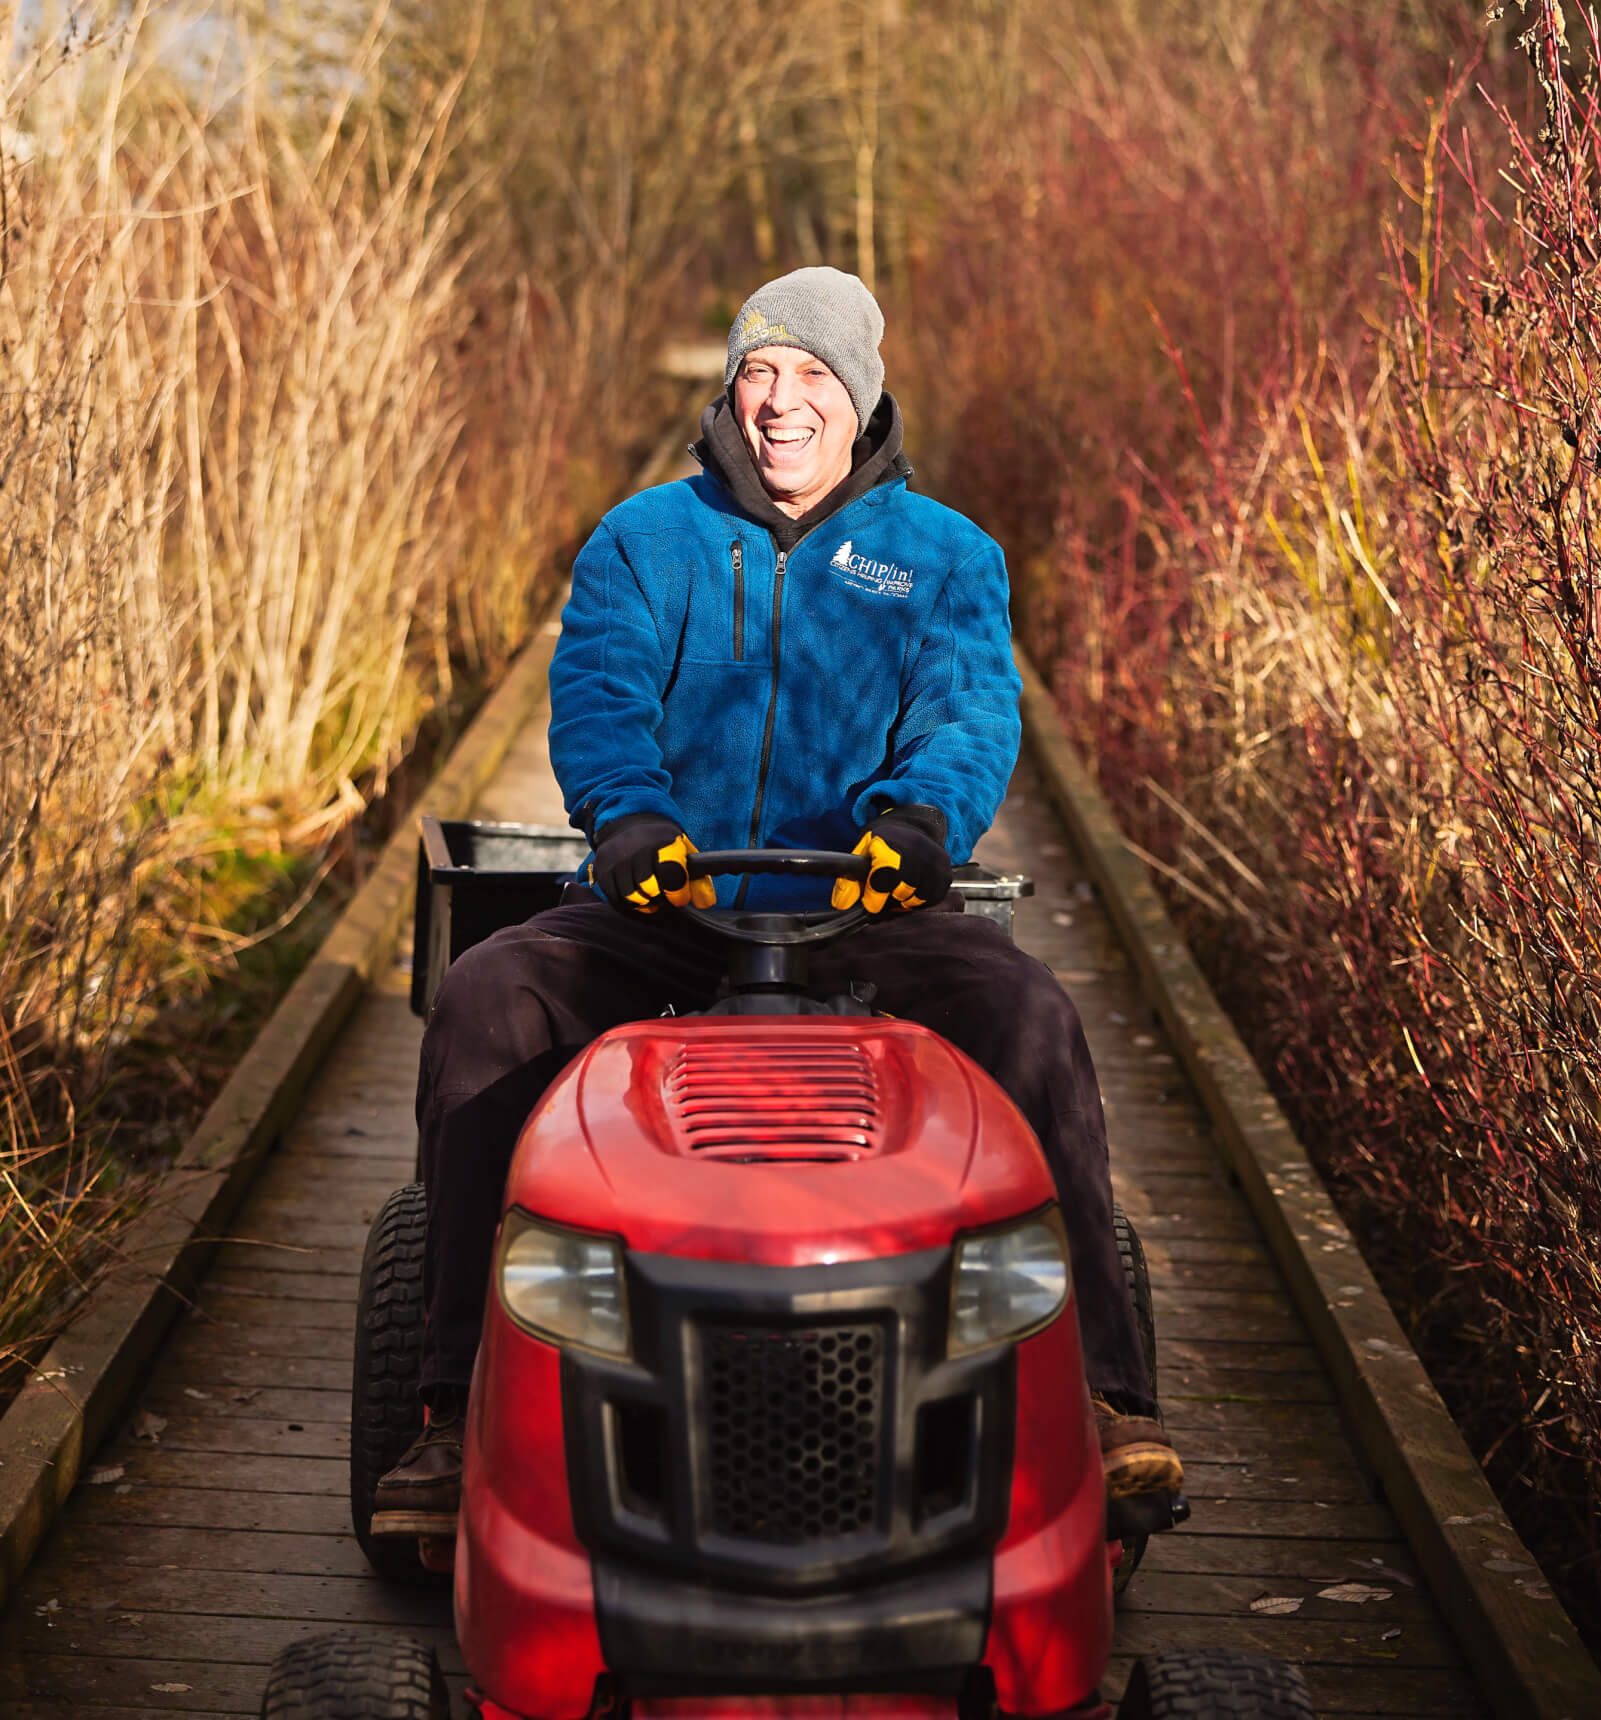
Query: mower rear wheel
1132	1253
350	1677
385	1414
1214	1684
1135	1271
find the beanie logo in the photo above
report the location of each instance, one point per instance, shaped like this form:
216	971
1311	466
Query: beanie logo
883	577
753	326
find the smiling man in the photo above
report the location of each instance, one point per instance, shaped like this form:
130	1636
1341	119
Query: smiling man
790	649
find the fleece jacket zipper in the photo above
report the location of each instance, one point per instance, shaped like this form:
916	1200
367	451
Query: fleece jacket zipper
772	714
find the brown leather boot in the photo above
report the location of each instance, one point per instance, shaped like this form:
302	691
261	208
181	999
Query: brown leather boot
422	1493
1136	1453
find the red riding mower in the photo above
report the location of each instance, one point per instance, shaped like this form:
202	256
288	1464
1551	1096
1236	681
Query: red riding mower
779	1408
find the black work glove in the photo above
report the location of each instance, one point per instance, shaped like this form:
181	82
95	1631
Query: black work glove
641	861
905	848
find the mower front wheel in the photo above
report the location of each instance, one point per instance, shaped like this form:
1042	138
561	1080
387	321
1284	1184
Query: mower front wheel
1214	1684
385	1413
350	1677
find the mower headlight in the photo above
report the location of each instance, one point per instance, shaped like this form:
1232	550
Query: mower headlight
1008	1282
562	1285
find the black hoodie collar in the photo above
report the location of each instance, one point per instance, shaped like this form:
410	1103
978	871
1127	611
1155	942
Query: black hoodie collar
876	457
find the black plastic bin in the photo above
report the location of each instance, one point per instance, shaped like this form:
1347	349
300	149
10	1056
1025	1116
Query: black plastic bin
474	878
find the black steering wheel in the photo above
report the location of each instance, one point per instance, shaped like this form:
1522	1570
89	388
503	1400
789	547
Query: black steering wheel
815	926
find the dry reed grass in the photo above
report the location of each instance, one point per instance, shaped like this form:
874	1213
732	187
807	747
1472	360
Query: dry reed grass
245	517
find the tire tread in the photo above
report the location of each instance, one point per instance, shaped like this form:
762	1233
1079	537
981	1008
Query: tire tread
346	1676
385	1416
1214	1684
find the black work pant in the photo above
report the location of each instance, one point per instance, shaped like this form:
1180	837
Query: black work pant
514	1010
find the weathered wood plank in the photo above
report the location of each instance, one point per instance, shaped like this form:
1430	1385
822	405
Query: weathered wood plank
1340	1642
90	1595
1307	1519
237	1436
1191	1551
305	1285
1223	1375
219	1342
156	1468
224	1367
76	1711
148	1687
222	1308
227	1508
116	1547
198	1639
1226	1597
1220	1350
303	1404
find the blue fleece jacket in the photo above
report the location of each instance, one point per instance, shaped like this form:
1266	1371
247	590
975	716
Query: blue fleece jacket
760	698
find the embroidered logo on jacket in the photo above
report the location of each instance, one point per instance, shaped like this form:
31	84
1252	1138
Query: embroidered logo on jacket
883	577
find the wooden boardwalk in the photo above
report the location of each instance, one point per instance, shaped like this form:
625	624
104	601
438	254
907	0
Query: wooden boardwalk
215	1527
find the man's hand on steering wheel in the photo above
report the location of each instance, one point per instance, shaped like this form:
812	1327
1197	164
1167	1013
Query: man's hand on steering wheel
640	862
910	867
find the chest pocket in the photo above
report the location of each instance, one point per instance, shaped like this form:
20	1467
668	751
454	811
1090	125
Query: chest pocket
716	627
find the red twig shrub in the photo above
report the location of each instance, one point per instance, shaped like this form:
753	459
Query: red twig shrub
1324	603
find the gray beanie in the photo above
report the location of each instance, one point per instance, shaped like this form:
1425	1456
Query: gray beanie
822	311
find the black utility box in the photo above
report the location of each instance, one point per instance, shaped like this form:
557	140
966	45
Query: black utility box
474	878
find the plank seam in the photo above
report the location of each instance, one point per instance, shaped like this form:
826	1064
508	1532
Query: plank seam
1515	1636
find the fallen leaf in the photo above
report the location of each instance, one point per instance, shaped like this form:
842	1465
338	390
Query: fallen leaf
171	1689
195	1392
1507	1567
1355	1593
107	1472
245	1397
1391	1634
50	1606
148	1426
1276	1605
1379	1568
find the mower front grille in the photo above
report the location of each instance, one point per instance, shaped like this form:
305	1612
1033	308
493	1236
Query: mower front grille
795	1430
805	1099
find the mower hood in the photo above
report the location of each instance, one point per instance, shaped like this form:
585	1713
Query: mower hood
783	1141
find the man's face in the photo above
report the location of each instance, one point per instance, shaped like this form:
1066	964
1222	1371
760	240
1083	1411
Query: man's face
798	422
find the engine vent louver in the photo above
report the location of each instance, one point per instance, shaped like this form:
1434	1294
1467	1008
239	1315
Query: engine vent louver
806	1099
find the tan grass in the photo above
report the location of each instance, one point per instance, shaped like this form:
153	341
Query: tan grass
239	561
